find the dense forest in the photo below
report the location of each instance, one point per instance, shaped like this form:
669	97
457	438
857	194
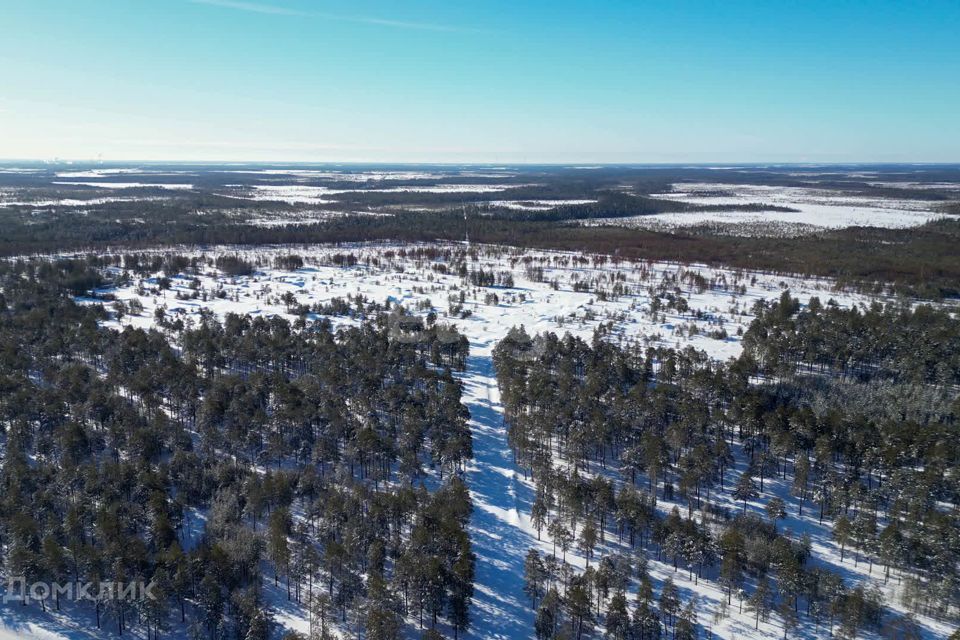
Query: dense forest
224	459
674	457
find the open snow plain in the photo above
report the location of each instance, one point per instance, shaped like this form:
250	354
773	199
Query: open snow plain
550	291
813	208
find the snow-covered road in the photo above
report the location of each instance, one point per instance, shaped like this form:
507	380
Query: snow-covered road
501	536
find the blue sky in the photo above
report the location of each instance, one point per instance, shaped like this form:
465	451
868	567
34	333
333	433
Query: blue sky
481	80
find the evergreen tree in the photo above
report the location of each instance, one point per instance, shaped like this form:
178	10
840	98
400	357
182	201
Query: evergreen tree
745	489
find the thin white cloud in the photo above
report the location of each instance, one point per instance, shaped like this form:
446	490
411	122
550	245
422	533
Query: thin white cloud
252	7
400	24
256	7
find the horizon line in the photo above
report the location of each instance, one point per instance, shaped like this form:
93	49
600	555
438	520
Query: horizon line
571	163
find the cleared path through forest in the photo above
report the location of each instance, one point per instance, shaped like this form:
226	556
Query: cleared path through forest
500	535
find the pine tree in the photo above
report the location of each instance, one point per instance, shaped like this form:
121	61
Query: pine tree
561	536
578	607
259	628
548	615
618	619
788	615
776	510
534	577
842	530
383	621
759	600
588	539
686	627
669	602
538	513
745	489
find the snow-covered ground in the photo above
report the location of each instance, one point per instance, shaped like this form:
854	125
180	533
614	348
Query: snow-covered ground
309	194
127	185
535	205
106	173
450	188
938	186
291	194
69	202
538	305
346	176
816	209
375	174
265	219
501	530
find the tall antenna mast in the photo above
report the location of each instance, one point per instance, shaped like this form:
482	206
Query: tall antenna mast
466	229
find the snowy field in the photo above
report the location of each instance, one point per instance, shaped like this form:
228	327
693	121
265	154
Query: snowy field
536	205
308	194
568	297
127	185
363	176
717	309
815	209
68	202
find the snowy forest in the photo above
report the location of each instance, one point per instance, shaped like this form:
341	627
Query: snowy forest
327	459
853	412
368	466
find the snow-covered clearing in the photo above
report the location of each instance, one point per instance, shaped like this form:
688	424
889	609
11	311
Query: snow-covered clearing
307	194
291	194
128	185
535	205
106	173
69	202
816	209
346	176
558	302
265	219
451	188
377	175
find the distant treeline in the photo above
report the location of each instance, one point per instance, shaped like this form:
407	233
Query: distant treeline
919	261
